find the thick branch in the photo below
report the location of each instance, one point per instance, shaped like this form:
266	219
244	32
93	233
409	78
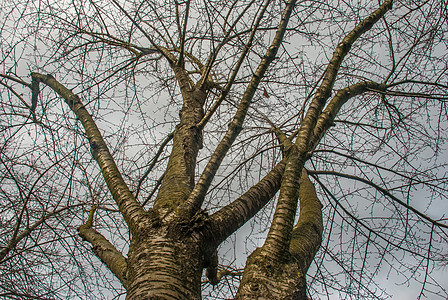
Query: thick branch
131	210
231	217
307	234
326	118
143	31
178	181
105	251
269	275
279	237
324	90
196	198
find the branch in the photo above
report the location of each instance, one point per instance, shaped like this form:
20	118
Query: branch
180	62
16	80
16	237
414	177
357	221
307	234
104	250
384	192
324	90
153	162
214	53
184	80
326	118
215	275
25	233
278	241
232	216
16	94
142	31
113	41
197	196
131	210
235	71
156	186
440	97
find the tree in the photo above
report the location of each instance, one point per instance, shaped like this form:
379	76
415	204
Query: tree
96	163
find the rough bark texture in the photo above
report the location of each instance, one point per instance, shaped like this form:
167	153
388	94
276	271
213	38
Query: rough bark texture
307	234
265	278
178	180
164	265
273	273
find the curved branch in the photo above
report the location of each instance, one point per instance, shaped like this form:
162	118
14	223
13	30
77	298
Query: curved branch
326	118
358	221
329	78
278	241
18	80
307	234
131	210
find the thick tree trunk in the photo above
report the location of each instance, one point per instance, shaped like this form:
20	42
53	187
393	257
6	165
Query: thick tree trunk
163	265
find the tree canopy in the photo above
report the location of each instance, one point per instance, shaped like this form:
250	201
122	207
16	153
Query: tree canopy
229	149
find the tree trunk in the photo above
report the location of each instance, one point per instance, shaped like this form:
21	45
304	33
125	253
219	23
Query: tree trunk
164	265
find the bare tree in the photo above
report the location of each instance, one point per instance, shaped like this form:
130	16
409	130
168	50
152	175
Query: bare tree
138	137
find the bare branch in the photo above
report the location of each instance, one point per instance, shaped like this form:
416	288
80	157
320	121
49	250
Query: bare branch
197	196
131	210
103	249
307	233
384	192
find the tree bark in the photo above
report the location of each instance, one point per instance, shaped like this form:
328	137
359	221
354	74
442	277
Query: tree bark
164	265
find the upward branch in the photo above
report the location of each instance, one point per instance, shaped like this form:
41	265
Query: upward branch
180	62
307	233
131	210
280	233
326	118
235	70
211	58
197	196
324	90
